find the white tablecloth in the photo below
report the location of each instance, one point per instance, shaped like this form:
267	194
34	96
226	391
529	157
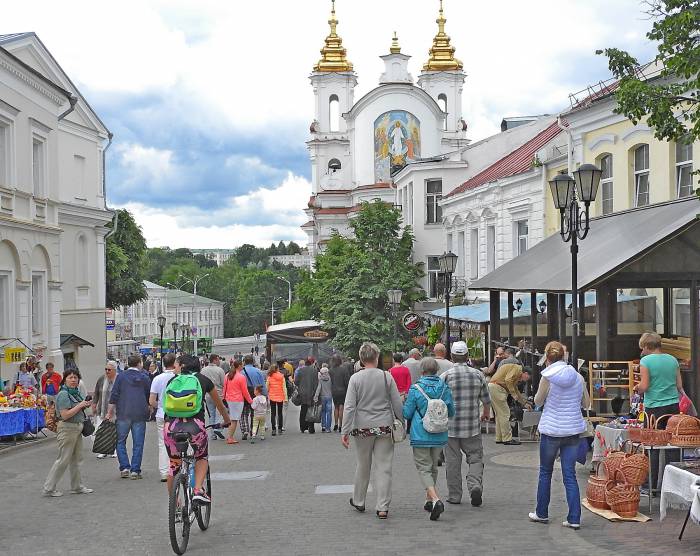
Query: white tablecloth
680	489
606	440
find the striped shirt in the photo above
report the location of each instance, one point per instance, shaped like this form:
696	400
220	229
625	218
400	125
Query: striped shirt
469	387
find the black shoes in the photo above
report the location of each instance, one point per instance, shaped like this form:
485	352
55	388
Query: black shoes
428	507
335	428
219	435
245	436
512	442
274	432
438	508
358	508
476	497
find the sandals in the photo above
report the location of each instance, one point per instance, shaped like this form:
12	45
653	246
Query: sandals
358	508
231	441
382	515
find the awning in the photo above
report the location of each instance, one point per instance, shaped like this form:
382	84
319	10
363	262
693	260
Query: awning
73	339
613	242
303	331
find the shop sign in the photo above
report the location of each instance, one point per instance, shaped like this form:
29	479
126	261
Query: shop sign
14	355
412	322
316	334
109	324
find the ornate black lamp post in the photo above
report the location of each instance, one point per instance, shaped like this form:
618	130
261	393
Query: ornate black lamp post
184	329
448	263
175	326
395	299
567	192
161	325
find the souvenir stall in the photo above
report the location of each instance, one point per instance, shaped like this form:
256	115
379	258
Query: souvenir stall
21	412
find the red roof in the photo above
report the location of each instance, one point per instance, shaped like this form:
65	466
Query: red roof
379	185
516	162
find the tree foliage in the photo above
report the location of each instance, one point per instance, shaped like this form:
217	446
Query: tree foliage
126	261
348	290
670	103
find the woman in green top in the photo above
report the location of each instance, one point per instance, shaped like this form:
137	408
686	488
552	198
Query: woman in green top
660	383
70	407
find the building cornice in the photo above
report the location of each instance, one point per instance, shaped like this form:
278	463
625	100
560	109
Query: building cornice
28	225
392	89
80	215
10	63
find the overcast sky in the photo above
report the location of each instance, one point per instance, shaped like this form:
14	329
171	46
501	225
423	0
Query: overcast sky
209	100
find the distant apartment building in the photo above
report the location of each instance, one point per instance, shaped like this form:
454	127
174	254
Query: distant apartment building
302	260
220	256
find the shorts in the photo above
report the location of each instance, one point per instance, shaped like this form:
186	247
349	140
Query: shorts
338	399
234	410
199	441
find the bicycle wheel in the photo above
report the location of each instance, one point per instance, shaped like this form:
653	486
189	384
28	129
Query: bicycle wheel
203	511
179	516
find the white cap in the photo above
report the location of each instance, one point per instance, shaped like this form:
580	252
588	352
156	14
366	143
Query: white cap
459	348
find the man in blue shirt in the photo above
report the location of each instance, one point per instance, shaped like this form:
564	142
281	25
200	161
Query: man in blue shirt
254	377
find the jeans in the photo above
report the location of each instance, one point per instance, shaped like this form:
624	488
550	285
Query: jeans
326	413
246	422
138	434
277	418
567	447
213	417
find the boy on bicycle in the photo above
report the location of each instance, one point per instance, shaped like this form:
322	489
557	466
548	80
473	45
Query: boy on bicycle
188	364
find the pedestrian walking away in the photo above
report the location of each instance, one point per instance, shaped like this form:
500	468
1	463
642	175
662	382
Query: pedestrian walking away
235	396
402	375
562	390
306	382
129	402
254	377
371	405
70	411
171	368
470	392
428	401
324	395
216	374
277	392
259	407
340	377
413	364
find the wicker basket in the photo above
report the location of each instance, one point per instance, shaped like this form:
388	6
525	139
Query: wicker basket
613	461
595	491
622	497
651	435
686	431
635	467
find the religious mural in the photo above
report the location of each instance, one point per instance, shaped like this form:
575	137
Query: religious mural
396	143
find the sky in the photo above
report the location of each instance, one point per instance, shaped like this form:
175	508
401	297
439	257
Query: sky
209	100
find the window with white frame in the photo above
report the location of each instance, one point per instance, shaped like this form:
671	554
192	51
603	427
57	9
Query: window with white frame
461	261
39	167
684	168
433	196
606	184
474	253
521	233
38	304
641	176
490	248
432	271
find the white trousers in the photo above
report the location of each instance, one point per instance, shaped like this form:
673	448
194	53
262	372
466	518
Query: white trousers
380	450
163	459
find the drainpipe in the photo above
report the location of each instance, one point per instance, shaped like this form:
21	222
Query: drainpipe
73	100
569	157
115	218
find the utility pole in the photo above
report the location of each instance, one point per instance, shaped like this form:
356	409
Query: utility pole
194	281
289	286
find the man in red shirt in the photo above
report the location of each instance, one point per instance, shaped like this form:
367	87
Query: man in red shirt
401	374
50	382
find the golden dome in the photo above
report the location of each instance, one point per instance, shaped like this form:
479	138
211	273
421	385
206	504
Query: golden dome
395	48
442	54
333	55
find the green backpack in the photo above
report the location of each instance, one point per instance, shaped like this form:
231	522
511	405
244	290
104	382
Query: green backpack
183	397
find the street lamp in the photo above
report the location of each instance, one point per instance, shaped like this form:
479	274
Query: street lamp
183	329
395	299
194	281
543	306
289	285
567	192
175	327
448	263
272	310
161	325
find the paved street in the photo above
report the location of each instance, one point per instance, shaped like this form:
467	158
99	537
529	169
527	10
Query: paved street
277	510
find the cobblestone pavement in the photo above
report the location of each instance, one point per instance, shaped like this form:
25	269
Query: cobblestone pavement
278	511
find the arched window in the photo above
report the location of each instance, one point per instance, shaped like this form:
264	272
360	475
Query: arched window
606	183
641	176
334	113
442	103
334	165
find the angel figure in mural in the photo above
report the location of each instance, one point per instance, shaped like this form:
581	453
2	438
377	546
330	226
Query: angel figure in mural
397	137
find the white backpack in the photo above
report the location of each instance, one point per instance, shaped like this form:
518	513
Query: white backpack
435	418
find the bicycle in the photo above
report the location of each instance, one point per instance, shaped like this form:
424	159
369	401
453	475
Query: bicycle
184	512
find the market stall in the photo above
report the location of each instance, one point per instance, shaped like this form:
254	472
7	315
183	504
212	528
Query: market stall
21	412
681	490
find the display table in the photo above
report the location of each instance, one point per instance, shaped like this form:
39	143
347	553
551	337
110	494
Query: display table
681	490
20	421
606	440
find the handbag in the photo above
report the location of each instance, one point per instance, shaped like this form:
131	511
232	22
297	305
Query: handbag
105	438
313	414
398	430
296	398
590	431
88	427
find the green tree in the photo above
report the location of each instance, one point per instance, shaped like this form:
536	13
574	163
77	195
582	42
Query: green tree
671	103
297	311
126	262
348	289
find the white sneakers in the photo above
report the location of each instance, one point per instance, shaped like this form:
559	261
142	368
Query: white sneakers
574	526
537	519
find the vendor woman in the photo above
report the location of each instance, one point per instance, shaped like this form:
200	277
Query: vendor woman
24	378
660	383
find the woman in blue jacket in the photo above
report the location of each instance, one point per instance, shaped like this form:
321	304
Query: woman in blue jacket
428	445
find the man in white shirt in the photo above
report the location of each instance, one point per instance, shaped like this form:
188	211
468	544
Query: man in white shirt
156	402
217	375
440	352
413	364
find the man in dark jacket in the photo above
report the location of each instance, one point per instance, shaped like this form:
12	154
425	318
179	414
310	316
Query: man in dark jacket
130	399
340	377
306	381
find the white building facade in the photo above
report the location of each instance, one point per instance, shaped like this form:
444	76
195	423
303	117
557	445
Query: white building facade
52	209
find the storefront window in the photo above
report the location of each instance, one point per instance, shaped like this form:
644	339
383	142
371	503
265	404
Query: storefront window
680	312
640	310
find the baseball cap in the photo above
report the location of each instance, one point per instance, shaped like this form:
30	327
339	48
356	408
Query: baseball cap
459	348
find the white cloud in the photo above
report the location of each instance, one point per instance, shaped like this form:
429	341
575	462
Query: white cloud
277	213
146	164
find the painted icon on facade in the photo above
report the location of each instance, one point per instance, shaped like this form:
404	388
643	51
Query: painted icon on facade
396	143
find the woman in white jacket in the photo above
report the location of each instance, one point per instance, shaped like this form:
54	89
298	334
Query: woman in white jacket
561	425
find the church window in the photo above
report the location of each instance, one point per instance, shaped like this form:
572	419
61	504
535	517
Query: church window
334	165
334	113
442	103
433	196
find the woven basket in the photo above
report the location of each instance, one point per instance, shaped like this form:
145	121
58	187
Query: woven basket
622	497
613	461
635	467
595	490
651	435
686	431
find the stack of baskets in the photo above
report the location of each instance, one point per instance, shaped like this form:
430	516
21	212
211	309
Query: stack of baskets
621	496
684	429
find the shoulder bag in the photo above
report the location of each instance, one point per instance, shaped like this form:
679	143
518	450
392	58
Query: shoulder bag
88	426
398	430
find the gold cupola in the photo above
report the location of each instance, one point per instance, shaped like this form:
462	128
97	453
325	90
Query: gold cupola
395	48
333	55
442	54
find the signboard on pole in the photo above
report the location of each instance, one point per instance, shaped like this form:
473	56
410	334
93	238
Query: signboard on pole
14	355
412	322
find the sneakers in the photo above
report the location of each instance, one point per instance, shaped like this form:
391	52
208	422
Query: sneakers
252	440
476	497
101	456
53	493
512	442
274	432
124	474
219	435
135	476
82	490
428	506
164	478
534	517
245	436
438	508
262	437
201	497
335	428
574	526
